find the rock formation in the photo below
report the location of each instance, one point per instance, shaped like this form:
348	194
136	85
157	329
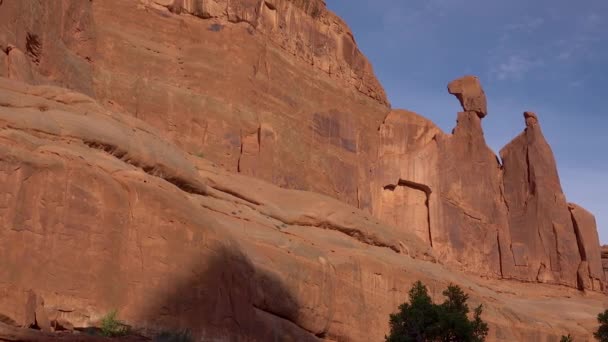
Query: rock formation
470	94
168	182
465	216
590	271
543	239
508	220
108	215
604	251
186	89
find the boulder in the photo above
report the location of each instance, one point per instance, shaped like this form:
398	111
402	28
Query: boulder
25	309
469	92
531	119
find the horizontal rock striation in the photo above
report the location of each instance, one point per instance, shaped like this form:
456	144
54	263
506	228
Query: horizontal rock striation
302	28
238	160
108	215
214	73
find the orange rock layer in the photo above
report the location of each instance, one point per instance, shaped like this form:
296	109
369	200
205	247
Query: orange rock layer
233	167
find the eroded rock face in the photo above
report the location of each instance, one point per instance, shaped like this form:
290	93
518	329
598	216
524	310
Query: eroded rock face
531	119
399	198
45	47
215	72
471	218
589	247
167	238
178	160
304	28
544	242
465	217
3	64
469	92
18	65
507	221
604	251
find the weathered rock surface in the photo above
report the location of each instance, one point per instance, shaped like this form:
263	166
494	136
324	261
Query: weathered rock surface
156	192
464	216
294	67
45	47
544	242
3	64
19	67
303	28
11	333
508	221
604	251
108	215
469	92
589	246
404	202
291	133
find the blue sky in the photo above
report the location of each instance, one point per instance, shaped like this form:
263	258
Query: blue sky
550	57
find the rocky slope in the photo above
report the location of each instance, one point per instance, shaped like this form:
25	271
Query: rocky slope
168	182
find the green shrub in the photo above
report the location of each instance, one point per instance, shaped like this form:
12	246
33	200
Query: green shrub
421	320
112	327
175	336
602	332
566	339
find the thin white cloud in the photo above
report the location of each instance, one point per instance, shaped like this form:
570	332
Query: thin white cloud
592	21
588	32
515	67
576	84
418	12
558	44
504	63
526	25
564	55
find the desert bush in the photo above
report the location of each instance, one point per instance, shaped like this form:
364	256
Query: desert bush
421	320
112	327
566	339
602	332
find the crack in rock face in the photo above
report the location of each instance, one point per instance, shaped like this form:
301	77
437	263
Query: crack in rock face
33	47
312	206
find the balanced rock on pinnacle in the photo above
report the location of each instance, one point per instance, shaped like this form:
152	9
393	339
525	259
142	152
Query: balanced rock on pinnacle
531	119
469	92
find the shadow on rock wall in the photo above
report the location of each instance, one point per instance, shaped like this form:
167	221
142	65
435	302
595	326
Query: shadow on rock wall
227	298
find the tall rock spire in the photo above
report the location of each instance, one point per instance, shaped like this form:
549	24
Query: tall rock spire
544	243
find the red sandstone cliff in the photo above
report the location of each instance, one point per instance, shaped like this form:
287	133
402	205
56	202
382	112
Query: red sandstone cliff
156	192
604	253
503	218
